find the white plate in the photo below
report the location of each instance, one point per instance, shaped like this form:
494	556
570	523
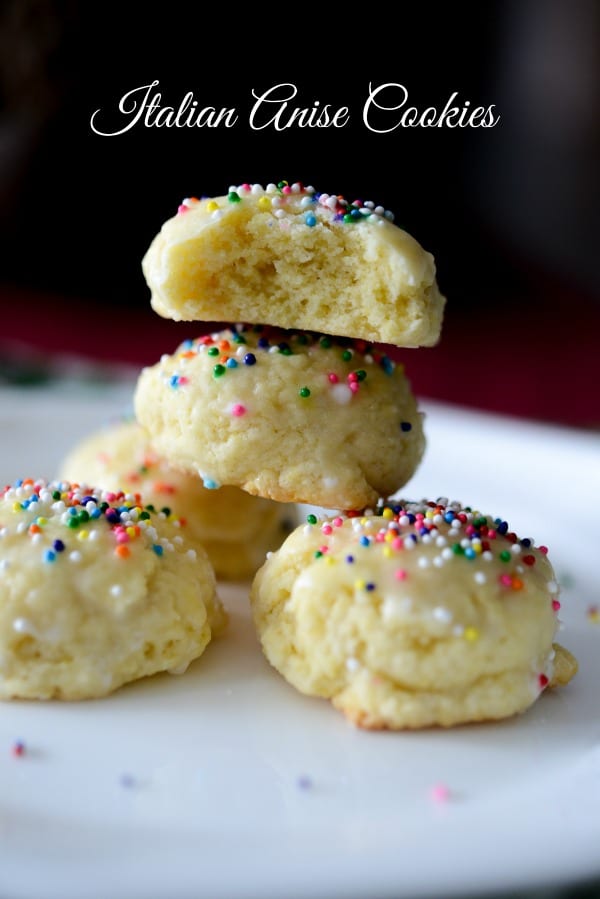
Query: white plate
227	783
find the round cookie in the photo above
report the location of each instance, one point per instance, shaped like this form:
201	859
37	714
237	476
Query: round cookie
291	416
422	614
95	591
235	528
288	256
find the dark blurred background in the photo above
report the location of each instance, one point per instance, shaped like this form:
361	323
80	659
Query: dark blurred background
510	212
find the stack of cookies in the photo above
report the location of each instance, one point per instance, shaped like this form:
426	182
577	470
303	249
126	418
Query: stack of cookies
403	614
296	404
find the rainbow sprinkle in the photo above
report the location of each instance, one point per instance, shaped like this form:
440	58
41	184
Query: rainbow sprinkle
236	349
37	506
294	202
458	533
439	793
18	749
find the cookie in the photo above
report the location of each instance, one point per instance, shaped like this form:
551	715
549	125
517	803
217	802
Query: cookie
288	256
235	528
96	590
423	614
290	416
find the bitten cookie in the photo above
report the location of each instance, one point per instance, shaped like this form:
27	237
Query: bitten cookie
423	614
288	256
295	417
96	590
236	529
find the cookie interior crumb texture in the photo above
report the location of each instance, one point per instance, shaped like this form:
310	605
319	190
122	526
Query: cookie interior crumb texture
289	256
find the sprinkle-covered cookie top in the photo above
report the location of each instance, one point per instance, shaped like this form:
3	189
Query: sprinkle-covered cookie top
59	519
434	534
341	369
413	613
436	568
294	202
245	346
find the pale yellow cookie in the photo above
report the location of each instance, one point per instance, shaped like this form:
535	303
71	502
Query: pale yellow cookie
424	614
291	257
295	417
96	591
235	528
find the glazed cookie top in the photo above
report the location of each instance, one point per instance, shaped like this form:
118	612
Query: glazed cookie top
419	613
246	346
96	590
49	524
294	204
413	536
428	562
82	512
290	256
